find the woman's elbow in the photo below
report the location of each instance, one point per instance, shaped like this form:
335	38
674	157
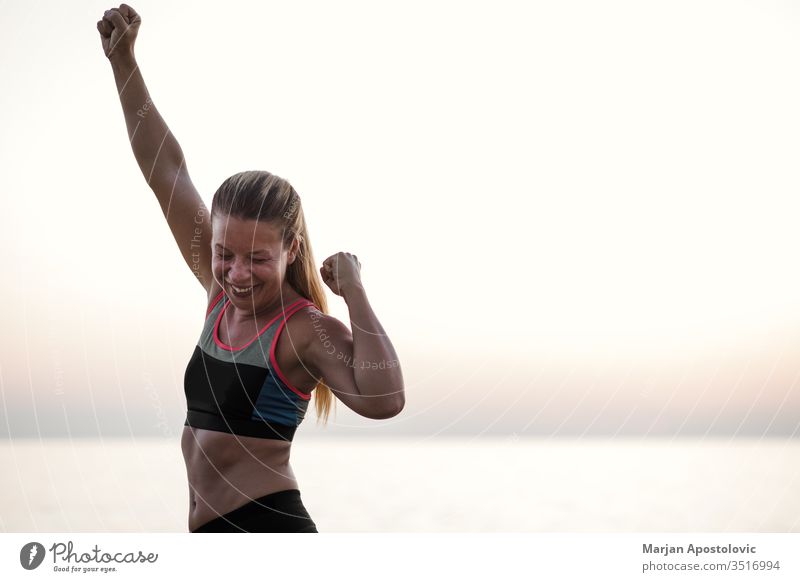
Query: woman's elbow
388	411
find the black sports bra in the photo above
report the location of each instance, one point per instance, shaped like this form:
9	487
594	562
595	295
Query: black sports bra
240	390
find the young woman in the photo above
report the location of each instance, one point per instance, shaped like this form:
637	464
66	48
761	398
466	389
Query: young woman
267	343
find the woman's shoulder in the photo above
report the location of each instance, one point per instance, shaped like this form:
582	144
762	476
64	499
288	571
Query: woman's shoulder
215	295
317	331
302	315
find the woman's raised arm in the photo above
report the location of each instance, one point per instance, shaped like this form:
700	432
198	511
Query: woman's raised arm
157	152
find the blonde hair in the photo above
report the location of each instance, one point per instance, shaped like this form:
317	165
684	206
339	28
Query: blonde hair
260	195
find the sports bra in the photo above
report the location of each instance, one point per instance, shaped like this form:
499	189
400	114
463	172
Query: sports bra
240	390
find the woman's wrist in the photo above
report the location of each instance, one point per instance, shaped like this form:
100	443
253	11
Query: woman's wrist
122	59
354	292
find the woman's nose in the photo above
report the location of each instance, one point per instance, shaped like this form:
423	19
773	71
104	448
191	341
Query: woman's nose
240	271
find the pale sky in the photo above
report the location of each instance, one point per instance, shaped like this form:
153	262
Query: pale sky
573	218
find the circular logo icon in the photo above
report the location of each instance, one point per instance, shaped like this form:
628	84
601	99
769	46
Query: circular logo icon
31	555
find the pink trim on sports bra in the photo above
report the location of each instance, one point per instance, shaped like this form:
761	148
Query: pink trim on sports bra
214	302
274	360
263	329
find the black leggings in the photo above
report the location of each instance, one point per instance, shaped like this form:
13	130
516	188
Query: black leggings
281	512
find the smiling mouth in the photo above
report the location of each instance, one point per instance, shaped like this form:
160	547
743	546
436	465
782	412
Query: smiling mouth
243	290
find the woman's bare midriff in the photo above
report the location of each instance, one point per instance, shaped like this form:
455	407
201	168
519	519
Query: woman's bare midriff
226	471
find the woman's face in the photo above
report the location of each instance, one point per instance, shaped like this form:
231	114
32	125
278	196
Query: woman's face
247	254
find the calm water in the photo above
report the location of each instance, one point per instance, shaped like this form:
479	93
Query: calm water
424	485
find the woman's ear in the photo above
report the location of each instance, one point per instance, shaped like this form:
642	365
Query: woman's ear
294	250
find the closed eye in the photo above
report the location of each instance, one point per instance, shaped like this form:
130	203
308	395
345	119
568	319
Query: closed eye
226	257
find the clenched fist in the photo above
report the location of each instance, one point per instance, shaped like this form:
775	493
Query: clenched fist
341	272
118	30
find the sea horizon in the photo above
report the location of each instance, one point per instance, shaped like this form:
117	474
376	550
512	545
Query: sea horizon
427	484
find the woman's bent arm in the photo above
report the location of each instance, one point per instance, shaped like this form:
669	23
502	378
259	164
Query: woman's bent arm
376	368
360	367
